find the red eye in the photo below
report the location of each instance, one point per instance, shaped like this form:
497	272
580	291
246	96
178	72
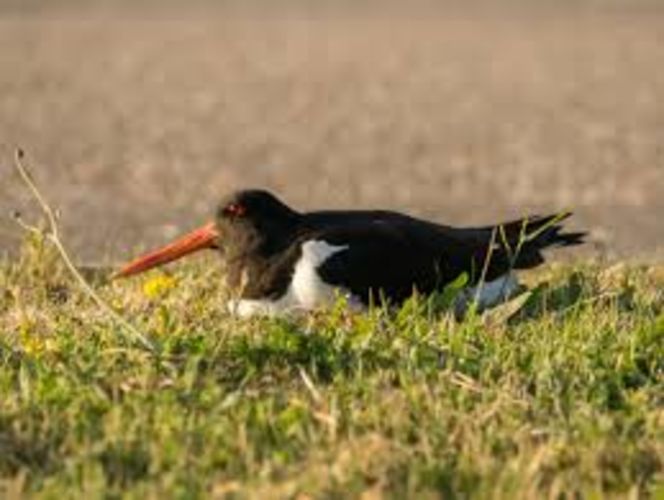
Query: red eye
235	209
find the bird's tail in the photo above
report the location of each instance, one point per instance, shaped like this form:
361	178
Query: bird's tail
521	241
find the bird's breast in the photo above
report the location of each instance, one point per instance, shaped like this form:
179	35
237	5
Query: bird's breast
307	285
304	290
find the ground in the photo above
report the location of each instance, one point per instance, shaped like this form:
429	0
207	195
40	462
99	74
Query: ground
140	118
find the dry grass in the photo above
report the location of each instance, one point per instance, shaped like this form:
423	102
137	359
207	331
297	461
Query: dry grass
143	117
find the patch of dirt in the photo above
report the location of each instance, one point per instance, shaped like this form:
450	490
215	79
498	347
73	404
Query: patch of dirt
138	121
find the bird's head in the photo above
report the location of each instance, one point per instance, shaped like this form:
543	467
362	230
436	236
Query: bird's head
244	222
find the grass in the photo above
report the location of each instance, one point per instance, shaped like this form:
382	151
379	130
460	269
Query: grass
562	394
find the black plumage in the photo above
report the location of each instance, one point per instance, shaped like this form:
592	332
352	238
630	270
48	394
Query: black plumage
386	254
279	259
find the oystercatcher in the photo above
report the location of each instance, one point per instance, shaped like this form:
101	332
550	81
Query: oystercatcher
280	260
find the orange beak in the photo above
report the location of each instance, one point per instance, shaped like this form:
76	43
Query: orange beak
199	239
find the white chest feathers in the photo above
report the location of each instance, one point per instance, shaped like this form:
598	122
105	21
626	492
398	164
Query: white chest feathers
306	291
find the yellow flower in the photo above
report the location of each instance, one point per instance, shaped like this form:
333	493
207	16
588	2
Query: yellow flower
158	286
33	343
32	346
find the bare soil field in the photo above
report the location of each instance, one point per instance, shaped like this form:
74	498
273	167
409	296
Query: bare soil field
137	120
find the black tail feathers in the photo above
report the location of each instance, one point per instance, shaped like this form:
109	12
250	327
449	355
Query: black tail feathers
521	241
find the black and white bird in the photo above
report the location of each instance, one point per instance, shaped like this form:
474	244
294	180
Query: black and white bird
280	260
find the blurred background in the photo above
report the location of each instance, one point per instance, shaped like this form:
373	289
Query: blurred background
138	115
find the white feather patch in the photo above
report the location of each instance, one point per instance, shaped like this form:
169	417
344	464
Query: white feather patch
306	291
489	293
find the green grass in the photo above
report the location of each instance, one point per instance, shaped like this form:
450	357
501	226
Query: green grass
561	395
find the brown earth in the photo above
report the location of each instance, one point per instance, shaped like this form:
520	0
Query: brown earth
137	119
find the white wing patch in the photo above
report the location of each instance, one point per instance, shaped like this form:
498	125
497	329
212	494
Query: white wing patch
306	291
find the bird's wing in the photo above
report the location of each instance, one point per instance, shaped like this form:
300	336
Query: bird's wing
385	261
391	253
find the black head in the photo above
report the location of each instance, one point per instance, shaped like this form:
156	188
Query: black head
247	222
252	219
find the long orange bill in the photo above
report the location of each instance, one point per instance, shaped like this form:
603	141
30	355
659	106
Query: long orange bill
199	239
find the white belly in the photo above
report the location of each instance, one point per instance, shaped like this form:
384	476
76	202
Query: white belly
306	291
